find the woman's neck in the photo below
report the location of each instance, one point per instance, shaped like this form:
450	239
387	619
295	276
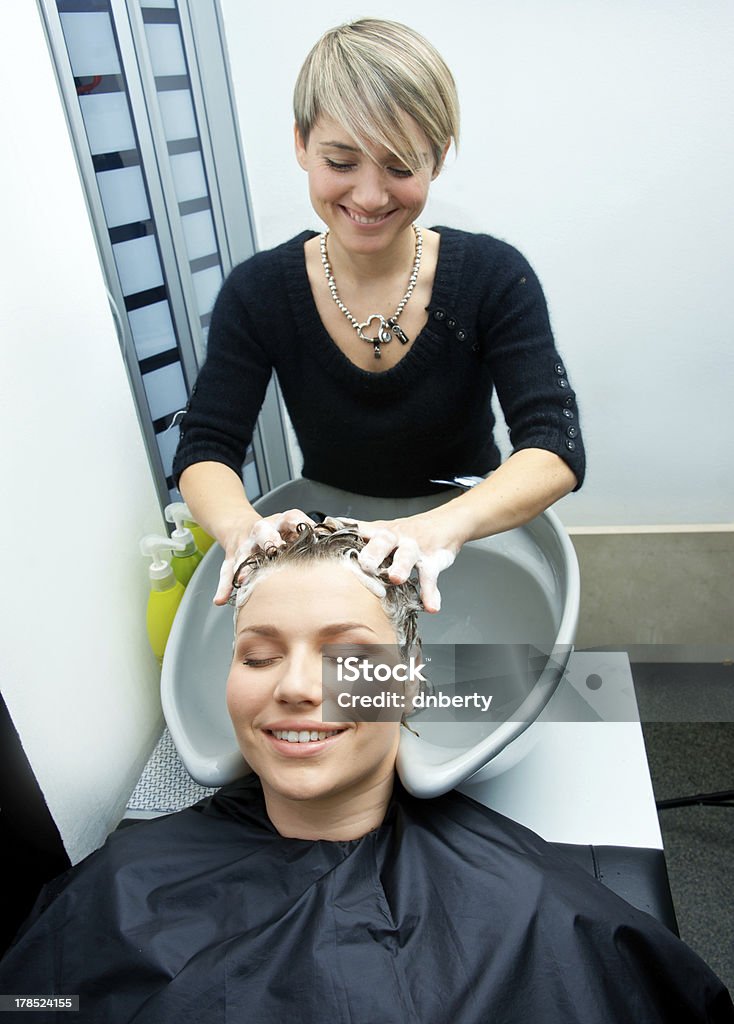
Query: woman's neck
335	817
355	269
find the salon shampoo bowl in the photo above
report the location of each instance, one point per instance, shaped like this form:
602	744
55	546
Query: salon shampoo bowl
519	588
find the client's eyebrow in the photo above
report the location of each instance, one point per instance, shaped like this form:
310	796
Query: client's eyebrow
344	627
259	630
332	629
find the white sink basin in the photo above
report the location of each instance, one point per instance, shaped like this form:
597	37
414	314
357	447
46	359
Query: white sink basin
519	588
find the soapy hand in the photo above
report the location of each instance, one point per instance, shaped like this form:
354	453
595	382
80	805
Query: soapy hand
272	531
420	542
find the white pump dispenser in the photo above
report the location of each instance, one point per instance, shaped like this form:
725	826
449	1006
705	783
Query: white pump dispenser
184	561
203	540
159	570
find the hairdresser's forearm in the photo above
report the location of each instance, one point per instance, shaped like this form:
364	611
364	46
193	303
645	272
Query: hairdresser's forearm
217	500
529	482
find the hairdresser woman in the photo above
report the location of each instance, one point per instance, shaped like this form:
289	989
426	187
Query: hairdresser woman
388	337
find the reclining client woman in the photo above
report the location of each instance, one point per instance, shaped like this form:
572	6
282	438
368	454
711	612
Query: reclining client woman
318	889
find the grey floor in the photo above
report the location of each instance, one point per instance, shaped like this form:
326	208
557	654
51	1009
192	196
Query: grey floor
689	757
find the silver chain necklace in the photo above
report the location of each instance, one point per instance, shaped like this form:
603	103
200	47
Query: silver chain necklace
387	326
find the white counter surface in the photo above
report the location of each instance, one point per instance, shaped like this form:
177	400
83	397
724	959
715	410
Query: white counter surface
583	781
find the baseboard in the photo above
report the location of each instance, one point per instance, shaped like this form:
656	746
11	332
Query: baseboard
661	528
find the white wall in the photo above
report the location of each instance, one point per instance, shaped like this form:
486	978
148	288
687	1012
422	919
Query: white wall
77	674
599	139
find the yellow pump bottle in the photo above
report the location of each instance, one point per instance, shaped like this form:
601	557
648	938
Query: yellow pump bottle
165	591
186	559
201	537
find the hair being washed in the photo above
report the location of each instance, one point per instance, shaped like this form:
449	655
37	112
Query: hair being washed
334	540
367	75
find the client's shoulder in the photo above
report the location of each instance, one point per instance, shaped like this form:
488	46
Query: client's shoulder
234	815
496	855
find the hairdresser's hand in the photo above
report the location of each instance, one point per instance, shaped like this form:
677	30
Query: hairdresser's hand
243	540
428	542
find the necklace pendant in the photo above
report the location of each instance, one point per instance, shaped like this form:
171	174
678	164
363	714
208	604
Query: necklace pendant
387	329
383	335
398	331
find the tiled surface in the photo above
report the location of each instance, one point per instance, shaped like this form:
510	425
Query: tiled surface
165	785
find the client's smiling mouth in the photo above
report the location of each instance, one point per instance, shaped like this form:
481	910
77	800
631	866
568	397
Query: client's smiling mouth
303	735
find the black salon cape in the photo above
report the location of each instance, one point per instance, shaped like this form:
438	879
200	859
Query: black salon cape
449	913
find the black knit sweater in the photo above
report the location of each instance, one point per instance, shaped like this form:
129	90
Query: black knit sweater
387	434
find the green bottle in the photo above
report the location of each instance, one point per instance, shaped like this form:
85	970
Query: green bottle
202	538
185	559
165	592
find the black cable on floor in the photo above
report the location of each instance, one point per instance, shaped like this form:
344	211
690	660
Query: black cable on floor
725	798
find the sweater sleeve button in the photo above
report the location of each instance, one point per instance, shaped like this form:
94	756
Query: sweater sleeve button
439	314
567	413
571	445
451	323
572	431
562	382
461	335
569	402
560	369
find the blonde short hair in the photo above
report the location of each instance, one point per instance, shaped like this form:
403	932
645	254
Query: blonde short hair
367	75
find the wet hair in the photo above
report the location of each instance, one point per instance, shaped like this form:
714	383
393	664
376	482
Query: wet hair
367	75
335	541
